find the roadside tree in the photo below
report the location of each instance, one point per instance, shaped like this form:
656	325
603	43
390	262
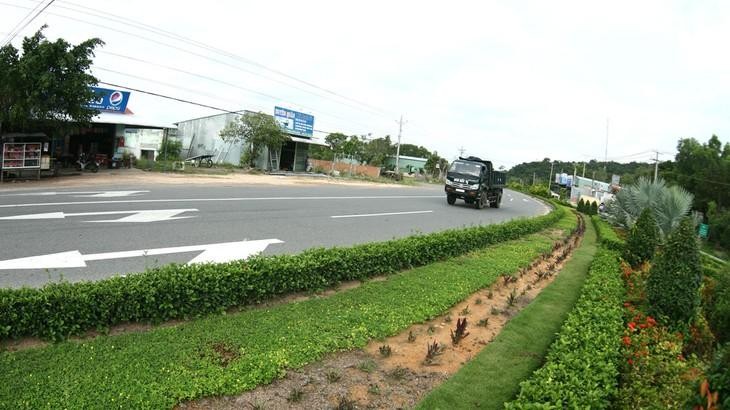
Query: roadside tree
255	131
47	84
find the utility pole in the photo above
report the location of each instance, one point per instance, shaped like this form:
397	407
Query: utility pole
397	150
533	178
584	170
550	177
605	155
593	184
656	166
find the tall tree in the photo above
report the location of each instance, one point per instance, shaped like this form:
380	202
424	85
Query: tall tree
48	84
704	170
672	288
434	165
354	148
336	141
378	150
256	131
411	150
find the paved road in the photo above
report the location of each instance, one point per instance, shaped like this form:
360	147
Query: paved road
96	233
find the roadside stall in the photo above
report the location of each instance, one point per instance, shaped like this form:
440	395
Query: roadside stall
26	155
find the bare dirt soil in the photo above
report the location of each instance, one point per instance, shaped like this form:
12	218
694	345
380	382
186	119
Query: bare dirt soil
131	177
368	379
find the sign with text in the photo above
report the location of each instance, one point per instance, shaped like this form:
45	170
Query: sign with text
704	230
294	122
109	100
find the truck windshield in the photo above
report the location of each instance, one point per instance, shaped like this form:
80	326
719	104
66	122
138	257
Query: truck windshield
467	168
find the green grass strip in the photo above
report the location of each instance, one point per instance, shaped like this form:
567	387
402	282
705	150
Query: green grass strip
165	366
582	368
493	377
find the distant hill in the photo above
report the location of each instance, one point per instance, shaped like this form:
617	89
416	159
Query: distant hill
629	172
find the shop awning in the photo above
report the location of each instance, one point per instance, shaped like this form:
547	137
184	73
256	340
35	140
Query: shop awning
130	120
308	140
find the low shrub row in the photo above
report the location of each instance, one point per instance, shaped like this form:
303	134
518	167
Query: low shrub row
227	354
582	366
606	235
179	291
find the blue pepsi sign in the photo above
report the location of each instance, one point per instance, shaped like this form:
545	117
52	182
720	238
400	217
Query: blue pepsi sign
109	100
294	122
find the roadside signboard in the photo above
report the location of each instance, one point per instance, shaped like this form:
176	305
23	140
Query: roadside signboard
109	100
295	122
704	230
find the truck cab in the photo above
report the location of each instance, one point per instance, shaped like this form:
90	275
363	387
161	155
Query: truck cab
476	182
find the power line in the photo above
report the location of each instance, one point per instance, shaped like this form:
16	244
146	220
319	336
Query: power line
209	47
199	45
170	98
155	94
6	39
201	93
203	46
208	78
16	31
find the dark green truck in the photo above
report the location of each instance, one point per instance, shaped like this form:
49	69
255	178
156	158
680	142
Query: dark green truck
476	182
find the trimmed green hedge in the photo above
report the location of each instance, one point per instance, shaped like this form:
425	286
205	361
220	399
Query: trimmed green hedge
606	235
179	291
582	367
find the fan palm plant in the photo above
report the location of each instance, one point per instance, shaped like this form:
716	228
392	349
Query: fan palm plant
669	203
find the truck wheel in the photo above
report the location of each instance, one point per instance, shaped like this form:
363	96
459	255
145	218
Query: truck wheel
497	202
479	202
450	199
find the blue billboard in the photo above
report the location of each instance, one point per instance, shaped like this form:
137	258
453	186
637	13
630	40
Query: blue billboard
294	122
109	100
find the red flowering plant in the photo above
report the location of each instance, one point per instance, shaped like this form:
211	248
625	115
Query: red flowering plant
654	373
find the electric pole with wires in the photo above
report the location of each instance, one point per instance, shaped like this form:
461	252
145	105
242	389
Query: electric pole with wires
397	150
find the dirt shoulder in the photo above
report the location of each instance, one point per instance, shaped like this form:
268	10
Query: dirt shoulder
137	177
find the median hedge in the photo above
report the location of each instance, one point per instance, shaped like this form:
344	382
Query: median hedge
59	310
607	236
582	367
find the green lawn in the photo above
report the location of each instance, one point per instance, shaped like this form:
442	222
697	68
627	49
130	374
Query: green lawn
493	377
227	354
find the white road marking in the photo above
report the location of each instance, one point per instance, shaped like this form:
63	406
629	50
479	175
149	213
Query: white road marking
154	215
511	199
381	214
525	200
215	252
87	194
281	198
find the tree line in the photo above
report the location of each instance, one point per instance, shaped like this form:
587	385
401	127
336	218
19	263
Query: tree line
703	169
375	152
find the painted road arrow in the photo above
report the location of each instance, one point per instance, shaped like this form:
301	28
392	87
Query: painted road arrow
86	194
153	215
215	252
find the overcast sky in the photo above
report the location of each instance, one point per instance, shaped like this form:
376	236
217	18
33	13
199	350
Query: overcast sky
511	81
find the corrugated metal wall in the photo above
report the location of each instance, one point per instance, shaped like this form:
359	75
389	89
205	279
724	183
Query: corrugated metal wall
202	137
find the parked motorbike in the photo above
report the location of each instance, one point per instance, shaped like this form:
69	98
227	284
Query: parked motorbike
85	162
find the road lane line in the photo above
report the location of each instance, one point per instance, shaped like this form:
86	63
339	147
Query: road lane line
281	198
381	214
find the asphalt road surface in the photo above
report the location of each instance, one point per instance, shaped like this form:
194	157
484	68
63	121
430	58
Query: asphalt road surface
89	234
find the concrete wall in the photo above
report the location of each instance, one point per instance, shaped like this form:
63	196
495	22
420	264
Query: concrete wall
345	168
138	139
404	163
